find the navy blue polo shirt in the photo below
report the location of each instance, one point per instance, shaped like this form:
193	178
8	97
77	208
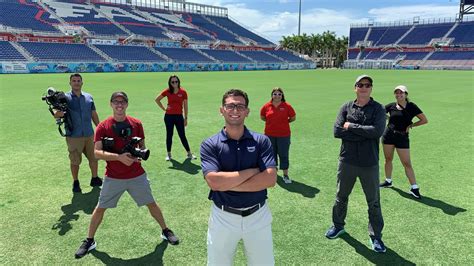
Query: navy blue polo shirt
80	109
222	154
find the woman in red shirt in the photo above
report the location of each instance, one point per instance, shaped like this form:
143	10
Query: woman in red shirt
177	102
278	114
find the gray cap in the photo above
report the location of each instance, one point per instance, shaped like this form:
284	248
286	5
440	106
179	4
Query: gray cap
119	94
361	77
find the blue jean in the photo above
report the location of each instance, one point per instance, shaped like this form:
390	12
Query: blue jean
281	149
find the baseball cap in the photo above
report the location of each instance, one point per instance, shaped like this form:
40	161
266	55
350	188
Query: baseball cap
359	78
403	88
119	94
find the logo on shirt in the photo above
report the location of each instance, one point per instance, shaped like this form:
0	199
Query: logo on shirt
180	95
282	109
251	149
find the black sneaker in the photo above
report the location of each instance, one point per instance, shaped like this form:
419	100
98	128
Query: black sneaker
169	236
87	245
96	182
334	232
415	192
76	187
386	184
377	245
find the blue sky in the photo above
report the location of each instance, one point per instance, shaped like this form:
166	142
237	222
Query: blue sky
275	18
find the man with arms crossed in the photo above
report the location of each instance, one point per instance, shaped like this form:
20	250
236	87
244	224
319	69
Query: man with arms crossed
238	166
123	171
81	139
359	124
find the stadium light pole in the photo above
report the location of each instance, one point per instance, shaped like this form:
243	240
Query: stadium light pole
299	19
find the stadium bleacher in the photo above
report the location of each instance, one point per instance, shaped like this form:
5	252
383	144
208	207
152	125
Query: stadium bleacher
184	55
239	30
9	53
124	53
61	52
261	56
227	56
25	15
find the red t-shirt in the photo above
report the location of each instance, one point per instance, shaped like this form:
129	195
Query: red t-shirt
116	169
276	119
175	101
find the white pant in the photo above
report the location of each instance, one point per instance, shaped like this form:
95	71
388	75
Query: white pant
226	229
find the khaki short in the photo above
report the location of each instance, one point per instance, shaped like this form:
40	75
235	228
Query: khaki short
78	146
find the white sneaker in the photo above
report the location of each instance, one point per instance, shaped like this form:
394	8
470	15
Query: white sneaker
192	157
168	158
286	179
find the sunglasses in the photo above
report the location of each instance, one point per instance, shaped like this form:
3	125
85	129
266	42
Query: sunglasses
174	82
361	85
119	102
277	94
238	107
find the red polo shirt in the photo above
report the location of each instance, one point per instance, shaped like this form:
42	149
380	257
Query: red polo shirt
276	119
116	169
175	101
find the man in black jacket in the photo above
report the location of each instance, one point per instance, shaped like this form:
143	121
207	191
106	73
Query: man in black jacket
360	123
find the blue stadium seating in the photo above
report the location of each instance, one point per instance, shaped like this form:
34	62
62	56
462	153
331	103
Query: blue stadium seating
133	21
130	53
409	55
391	35
239	30
26	15
353	54
453	55
357	34
227	56
184	55
210	28
9	53
61	52
84	15
373	55
463	33
261	56
422	34
375	34
287	56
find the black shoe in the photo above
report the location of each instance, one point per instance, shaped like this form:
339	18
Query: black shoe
76	187
334	232
169	236
386	184
415	192
96	182
86	246
377	245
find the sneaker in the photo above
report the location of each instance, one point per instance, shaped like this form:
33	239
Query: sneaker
87	245
76	187
386	184
96	182
415	192
334	232
168	158
169	236
377	245
191	156
286	179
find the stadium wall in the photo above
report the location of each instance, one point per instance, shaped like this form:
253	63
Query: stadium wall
17	68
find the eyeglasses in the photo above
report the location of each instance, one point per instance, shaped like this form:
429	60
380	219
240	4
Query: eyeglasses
277	94
361	85
174	82
231	106
119	102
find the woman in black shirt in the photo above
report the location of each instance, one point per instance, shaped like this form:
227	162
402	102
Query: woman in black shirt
395	136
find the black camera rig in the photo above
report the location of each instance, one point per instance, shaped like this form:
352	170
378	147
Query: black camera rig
131	147
56	100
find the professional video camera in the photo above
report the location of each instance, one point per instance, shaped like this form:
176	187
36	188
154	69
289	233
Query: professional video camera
56	100
108	145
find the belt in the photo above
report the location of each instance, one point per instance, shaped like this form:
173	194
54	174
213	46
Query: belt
242	213
399	132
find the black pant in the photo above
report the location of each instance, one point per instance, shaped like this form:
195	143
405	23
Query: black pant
170	122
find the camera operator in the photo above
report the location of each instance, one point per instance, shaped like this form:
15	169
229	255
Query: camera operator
80	139
123	171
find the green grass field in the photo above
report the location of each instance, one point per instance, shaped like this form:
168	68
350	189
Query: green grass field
43	223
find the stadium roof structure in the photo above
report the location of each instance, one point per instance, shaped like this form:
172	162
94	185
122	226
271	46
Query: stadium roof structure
466	7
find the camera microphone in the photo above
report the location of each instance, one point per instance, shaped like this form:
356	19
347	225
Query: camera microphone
51	91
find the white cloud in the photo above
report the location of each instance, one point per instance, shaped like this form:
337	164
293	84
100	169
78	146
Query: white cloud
409	12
